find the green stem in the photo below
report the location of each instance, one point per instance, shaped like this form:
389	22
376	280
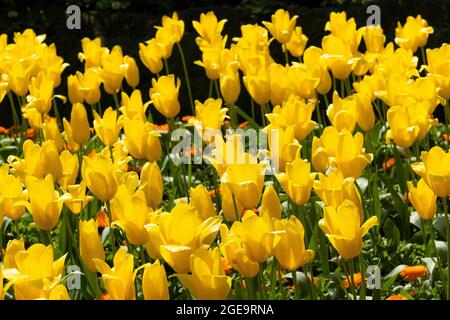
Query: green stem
438	259
211	84
180	49
166	67
286	55
273	279
246	116
447	231
111	230
55	110
216	87
362	269
250	288
116	101
296	287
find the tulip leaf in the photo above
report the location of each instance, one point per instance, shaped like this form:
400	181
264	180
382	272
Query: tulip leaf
415	219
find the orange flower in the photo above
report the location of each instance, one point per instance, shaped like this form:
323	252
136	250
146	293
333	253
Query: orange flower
357	278
31	133
161	127
104	296
102	219
187	118
445	137
91	154
243	124
397	297
389	163
213	192
4	131
412	273
226	265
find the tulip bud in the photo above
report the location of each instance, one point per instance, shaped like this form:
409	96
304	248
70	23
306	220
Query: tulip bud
164	94
108	127
154	282
201	200
90	244
271	203
152	183
80	124
423	199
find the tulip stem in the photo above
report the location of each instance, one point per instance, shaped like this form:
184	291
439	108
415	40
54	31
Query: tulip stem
286	56
446	117
433	245
250	288
447	231
216	86
183	61
111	230
55	110
210	88
166	66
273	279
116	101
362	269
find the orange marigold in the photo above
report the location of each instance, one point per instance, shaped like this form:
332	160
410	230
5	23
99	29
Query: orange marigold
356	277
389	163
397	297
412	273
102	219
226	265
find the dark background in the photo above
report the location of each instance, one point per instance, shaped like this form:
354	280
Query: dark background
129	22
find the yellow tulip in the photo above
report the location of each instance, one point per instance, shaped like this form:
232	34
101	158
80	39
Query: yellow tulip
70	167
334	189
59	293
208	27
108	127
208	280
164	94
12	248
270	202
211	59
90	244
229	152
10	193
201	200
132	106
413	34
84	87
438	60
230	85
119	280
435	170
142	140
68	136
374	38
19	76
280	84
290	249
151	56
296	45
246	182
232	209
79	121
343	112
33	116
154	282
297	181
92	52
45	203
423	199
210	115
178	234
152	184
345	30
36	273
113	70
52	133
234	251
258	86
165	40
174	25
282	26
396	62
41	94
100	176
319	156
283	146
130	213
79	199
343	228
38	161
132	72
294	112
338	56
303	81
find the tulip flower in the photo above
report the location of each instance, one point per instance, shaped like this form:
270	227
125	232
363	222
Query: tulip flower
290	249
151	56
70	167
164	94
229	152
338	56
294	112
258	86
11	192
84	87
208	280
230	85
108	127
141	140
90	244
100	176
296	45
33	116
283	146
201	200
423	199
92	52
119	280
19	78
36	274
154	282
437	67
113	70
132	106
165	40
208	28
152	184
280	83
45	203
132	72
41	94
270	202
334	189
211	59
178	234
374	38
12	248
51	133
435	170
79	121
79	199
297	181
413	34
343	228
130	213
282	26
303	81
246	181
174	25
234	250
210	115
